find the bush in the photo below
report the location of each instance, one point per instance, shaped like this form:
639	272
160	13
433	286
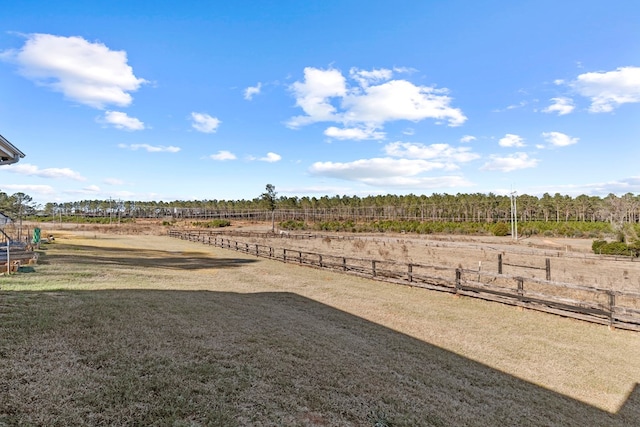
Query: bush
500	229
615	248
216	223
293	225
597	245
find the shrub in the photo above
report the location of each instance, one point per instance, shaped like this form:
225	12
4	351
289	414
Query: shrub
500	229
597	245
216	223
293	225
615	248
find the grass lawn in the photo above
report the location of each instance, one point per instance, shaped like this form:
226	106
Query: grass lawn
148	330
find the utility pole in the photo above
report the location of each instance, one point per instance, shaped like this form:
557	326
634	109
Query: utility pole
514	216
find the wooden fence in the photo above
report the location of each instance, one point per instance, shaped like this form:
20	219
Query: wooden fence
616	309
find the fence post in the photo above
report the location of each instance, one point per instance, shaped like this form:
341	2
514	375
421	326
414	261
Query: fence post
612	307
256	250
320	260
410	272
499	263
520	282
458	280
270	252
299	257
548	268
373	268
284	255
344	264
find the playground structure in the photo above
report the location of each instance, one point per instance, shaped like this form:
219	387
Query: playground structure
16	253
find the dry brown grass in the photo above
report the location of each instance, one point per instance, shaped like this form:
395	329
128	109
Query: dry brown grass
147	330
569	263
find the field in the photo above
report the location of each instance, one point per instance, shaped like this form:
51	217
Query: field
572	260
147	330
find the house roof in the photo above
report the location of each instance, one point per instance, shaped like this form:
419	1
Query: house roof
8	153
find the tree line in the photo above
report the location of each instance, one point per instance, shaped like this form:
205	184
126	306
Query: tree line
476	207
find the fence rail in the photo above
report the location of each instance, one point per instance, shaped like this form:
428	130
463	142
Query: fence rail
616	309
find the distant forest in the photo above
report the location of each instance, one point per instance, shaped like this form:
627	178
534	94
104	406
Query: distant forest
475	207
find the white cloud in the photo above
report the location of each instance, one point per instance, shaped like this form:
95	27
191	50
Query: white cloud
151	148
205	123
366	78
33	170
44	190
376	167
608	90
85	72
373	100
442	152
558	139
271	158
405	165
510	163
510	107
388	172
223	155
561	105
92	189
113	181
511	140
316	189
467	138
314	94
251	91
516	106
89	190
618	187
357	134
400	100
121	120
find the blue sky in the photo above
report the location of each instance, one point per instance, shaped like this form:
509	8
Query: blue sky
167	100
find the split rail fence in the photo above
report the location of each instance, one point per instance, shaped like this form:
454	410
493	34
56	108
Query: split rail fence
617	309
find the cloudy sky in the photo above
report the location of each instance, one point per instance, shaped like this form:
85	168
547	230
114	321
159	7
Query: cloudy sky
180	100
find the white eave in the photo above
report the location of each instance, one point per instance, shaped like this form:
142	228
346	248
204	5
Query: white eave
8	153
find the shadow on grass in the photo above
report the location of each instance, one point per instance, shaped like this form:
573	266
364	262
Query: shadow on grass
220	358
179	260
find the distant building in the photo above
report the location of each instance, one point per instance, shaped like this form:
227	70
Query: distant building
8	153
